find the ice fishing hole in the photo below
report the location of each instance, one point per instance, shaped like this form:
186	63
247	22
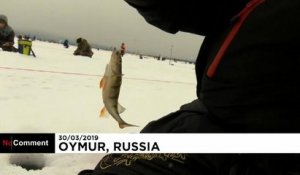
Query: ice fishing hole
28	161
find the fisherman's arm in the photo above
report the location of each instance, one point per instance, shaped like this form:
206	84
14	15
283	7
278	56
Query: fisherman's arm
9	40
8	44
194	16
79	49
11	37
76	52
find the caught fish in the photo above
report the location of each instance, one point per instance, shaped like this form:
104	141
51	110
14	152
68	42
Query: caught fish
111	85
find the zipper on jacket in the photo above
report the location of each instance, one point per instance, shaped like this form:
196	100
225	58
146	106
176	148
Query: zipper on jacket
240	17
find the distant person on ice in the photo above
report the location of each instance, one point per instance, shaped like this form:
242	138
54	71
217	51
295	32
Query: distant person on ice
7	35
123	49
66	43
25	45
83	48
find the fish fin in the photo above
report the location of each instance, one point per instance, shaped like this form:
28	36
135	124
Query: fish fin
124	125
101	84
103	113
121	109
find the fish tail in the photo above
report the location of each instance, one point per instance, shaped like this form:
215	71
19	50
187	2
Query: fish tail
124	125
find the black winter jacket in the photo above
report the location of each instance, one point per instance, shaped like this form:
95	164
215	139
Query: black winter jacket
248	65
7	35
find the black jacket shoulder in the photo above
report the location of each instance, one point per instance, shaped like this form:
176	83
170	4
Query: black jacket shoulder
194	16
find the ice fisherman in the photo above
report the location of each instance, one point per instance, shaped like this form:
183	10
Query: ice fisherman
248	81
66	43
25	45
83	48
7	35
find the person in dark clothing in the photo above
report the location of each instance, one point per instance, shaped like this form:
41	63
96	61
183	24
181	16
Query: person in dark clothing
7	35
66	43
247	82
83	48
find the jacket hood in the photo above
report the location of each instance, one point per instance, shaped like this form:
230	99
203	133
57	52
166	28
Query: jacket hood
3	18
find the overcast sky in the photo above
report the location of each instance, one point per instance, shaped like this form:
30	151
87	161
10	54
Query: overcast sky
102	22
